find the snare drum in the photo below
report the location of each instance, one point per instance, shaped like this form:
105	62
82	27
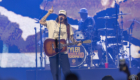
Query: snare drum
77	55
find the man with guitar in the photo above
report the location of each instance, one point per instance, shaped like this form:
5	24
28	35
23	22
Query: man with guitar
51	44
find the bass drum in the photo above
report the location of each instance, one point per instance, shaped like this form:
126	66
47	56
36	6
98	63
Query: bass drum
77	55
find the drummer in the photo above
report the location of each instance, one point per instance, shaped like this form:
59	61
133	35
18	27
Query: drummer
86	24
85	21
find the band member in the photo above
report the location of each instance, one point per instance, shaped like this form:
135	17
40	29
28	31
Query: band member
53	33
87	27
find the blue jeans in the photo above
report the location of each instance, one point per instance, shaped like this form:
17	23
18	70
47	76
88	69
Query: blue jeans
64	63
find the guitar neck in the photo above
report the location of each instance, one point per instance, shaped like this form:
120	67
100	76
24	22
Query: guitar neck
69	44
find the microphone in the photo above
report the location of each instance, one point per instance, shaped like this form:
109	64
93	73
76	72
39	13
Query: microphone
61	19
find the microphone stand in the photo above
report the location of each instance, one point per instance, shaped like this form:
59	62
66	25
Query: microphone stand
41	58
42	46
58	57
36	52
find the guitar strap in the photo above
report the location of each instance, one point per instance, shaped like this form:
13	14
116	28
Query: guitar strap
68	31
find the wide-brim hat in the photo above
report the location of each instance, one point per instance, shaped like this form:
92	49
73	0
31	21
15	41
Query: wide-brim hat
63	12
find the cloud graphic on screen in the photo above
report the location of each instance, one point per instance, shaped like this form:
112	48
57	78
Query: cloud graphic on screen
26	24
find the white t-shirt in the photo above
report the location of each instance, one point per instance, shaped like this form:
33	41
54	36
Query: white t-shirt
53	30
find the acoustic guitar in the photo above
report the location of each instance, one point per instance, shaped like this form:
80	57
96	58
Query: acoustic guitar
51	46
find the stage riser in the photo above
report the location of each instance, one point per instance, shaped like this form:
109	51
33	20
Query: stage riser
86	74
41	75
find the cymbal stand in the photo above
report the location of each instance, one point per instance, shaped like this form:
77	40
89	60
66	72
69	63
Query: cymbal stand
91	55
117	34
130	34
106	43
122	37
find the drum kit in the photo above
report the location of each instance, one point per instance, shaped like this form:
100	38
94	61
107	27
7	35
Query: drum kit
113	46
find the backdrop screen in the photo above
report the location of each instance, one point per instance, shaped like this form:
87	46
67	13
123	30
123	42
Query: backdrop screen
18	18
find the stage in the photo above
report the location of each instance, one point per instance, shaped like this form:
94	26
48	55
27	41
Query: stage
84	74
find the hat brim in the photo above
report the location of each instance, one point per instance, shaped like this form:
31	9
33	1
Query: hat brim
62	14
82	12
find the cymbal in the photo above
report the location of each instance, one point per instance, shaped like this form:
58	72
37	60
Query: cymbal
134	20
105	29
106	17
121	13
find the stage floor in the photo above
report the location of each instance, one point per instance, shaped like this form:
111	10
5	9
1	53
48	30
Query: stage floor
84	74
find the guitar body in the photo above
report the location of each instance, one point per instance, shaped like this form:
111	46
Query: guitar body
51	47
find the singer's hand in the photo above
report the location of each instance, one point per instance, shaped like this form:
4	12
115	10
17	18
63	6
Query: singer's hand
79	44
50	10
